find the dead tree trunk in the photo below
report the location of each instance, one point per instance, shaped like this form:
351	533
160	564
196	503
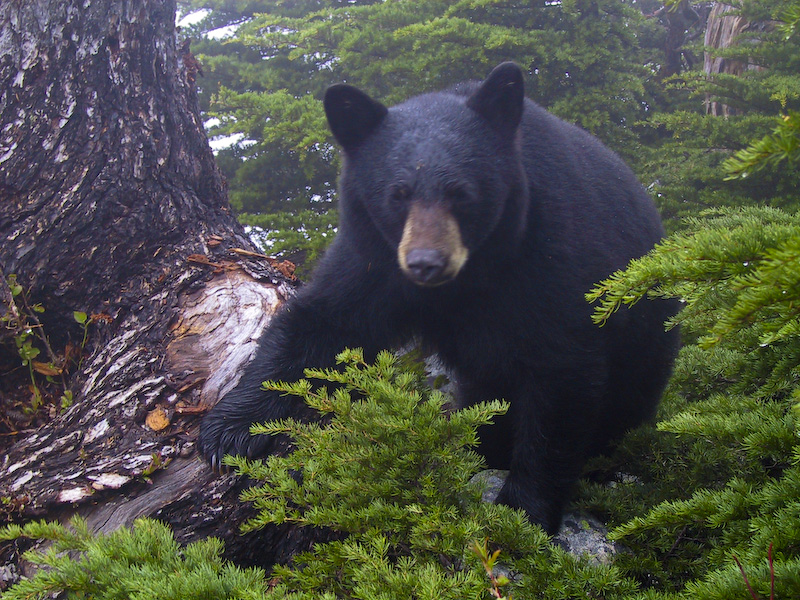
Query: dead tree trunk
723	30
111	204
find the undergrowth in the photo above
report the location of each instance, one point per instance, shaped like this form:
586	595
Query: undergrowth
389	471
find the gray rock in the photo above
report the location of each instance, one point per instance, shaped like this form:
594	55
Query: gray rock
581	534
8	576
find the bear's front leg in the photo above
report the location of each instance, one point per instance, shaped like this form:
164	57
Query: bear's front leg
337	311
551	432
226	428
543	501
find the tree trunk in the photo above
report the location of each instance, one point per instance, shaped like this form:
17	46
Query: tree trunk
722	30
111	204
678	19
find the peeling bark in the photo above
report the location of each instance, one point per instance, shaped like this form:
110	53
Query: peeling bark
111	203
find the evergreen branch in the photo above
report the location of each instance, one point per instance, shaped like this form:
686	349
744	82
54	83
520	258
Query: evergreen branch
783	144
746	580
144	562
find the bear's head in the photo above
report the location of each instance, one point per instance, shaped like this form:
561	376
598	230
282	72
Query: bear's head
437	175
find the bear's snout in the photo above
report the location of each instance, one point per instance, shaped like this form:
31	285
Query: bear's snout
431	251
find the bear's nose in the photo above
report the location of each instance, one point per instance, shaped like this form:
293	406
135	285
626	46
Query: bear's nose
426	266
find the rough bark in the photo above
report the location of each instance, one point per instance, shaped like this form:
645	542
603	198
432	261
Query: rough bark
110	203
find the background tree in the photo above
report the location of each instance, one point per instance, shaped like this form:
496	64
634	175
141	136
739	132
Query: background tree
684	145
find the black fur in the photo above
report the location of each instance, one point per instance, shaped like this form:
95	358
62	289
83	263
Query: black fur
545	211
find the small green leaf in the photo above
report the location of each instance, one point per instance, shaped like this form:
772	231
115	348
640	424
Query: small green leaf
28	352
67	399
80	316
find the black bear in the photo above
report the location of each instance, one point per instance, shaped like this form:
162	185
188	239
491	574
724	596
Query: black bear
474	221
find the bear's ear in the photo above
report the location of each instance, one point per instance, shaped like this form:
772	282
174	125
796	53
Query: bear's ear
352	115
500	99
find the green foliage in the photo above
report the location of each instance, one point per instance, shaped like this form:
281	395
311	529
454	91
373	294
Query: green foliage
300	237
782	145
734	400
681	162
20	319
489	561
397	49
23	328
293	150
389	472
731	267
692	161
789	20
738	273
142	563
357	448
386	471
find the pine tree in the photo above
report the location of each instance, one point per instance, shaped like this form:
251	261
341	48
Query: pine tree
144	562
684	148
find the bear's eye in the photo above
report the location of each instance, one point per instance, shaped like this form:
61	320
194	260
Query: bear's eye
456	194
399	195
